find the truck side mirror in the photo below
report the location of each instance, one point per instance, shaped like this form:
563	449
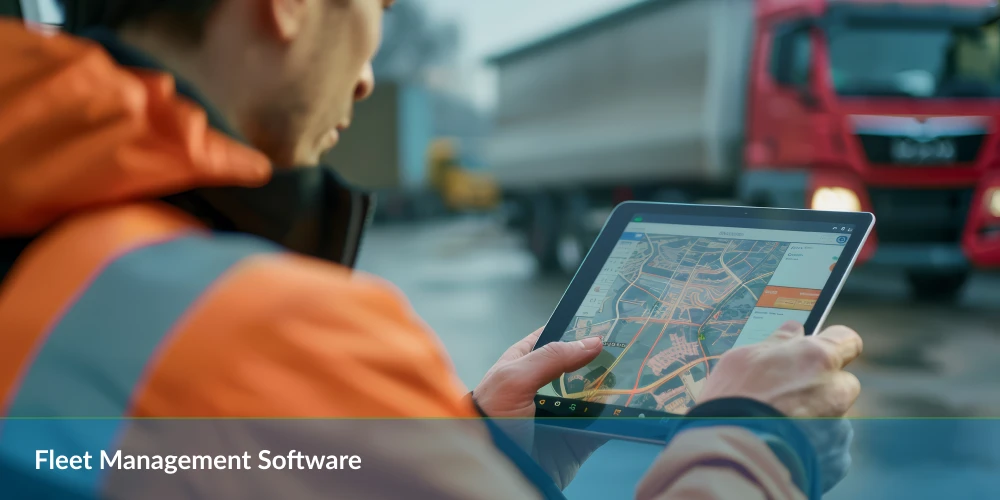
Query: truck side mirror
784	71
807	96
793	62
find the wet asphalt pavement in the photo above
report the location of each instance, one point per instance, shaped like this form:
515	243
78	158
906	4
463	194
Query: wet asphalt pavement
475	286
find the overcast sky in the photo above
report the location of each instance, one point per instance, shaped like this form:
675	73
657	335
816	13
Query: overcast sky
491	26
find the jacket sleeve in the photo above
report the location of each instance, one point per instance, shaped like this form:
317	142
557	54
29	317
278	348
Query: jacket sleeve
717	463
322	364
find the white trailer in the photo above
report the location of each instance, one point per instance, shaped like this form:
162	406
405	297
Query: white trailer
650	97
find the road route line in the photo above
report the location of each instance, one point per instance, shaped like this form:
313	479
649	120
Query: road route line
670	316
600	380
618	392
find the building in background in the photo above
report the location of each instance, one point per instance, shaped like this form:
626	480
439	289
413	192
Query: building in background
418	140
47	12
419	150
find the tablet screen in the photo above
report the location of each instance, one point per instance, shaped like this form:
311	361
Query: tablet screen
676	292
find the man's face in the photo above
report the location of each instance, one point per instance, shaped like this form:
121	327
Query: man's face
325	62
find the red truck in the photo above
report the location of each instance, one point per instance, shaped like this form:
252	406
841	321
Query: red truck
889	106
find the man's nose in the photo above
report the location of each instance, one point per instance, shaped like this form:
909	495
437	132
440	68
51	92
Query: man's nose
366	83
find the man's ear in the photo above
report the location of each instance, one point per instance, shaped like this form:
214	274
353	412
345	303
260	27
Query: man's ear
284	19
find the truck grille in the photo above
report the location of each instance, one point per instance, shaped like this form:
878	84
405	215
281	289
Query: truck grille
920	215
878	148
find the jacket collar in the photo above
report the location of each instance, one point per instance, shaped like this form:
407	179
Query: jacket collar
309	210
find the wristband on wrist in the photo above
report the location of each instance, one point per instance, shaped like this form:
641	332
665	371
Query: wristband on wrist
471	398
782	436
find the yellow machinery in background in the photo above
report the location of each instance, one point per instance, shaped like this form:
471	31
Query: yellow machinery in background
406	146
460	189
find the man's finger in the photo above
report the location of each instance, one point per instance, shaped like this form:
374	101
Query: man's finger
844	391
787	331
533	338
846	343
522	347
544	365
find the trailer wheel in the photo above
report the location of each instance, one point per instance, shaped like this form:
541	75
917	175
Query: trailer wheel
671	196
542	231
573	242
570	251
938	287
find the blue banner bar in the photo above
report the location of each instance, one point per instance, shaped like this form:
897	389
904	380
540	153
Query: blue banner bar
632	237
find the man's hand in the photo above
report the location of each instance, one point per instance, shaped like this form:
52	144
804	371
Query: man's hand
509	388
798	375
802	377
508	391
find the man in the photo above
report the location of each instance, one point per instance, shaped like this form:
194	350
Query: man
167	251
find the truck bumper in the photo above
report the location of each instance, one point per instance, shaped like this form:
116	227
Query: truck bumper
940	257
931	229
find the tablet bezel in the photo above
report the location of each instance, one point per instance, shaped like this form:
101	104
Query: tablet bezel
624	213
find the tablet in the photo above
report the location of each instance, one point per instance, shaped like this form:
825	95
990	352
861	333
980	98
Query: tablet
670	288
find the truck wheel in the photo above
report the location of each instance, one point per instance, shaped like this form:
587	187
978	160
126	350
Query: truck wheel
671	196
515	216
937	286
573	242
570	251
542	231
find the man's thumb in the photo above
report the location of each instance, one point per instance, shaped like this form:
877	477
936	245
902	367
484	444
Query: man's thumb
787	331
546	364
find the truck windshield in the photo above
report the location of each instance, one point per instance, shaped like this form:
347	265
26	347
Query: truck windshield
915	61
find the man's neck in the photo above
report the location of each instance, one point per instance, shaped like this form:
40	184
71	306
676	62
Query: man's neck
198	69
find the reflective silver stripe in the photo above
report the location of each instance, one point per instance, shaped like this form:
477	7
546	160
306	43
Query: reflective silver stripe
96	357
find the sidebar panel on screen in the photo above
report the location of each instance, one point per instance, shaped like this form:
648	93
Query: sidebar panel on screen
793	290
600	292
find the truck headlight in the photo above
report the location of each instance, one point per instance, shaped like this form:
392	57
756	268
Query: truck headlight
836	199
993	202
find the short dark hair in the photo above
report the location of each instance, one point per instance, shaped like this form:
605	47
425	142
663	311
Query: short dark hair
185	19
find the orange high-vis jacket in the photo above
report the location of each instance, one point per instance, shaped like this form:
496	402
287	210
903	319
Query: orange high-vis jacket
118	306
87	148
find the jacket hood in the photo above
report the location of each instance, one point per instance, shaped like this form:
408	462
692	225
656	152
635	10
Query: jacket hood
79	131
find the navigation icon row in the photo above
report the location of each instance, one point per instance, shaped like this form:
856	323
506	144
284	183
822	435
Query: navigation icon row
562	406
571	406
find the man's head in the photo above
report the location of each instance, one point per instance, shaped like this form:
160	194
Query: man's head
285	73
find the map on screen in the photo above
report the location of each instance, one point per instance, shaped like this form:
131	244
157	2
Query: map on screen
670	300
